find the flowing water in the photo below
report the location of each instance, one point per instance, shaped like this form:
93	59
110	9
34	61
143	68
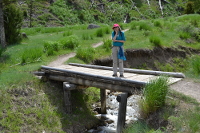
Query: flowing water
112	106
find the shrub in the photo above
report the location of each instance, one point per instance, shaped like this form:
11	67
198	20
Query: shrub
51	44
86	54
144	26
154	95
70	42
31	55
107	30
158	24
107	44
156	41
133	25
189	8
99	32
13	23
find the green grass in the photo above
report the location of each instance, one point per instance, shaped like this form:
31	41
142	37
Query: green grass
41	108
154	96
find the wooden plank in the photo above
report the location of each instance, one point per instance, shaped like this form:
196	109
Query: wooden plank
139	71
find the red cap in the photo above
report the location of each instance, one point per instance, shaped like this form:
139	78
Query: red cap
115	25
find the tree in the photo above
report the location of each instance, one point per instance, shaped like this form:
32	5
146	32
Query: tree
13	19
2	32
196	6
189	8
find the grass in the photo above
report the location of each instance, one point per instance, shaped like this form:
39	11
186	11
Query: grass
27	104
181	112
154	96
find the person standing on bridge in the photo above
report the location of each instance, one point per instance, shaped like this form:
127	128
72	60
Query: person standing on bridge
118	57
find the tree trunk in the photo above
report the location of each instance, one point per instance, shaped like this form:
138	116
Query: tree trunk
148	3
2	32
161	9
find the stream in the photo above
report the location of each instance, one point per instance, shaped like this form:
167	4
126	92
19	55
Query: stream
112	106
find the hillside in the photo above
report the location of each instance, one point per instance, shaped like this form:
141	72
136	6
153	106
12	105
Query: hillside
61	13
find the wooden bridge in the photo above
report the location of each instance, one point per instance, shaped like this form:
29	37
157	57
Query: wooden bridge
77	76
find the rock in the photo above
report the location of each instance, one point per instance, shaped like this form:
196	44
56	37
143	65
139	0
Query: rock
92	26
24	35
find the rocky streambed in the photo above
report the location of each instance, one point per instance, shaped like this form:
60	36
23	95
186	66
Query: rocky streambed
109	120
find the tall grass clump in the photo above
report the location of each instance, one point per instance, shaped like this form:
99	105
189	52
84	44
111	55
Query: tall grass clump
67	33
154	96
107	44
187	31
144	26
87	37
70	42
31	55
158	24
107	30
50	47
184	35
195	65
99	32
134	25
156	41
87	54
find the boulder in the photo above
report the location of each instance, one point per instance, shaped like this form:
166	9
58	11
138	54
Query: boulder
92	26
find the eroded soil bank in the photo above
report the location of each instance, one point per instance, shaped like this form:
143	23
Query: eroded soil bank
146	58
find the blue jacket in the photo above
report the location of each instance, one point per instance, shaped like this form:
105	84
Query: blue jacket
119	37
121	54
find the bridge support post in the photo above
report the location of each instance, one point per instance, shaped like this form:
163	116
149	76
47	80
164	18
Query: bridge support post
67	87
122	99
103	101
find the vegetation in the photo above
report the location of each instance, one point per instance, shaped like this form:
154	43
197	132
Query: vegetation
30	105
154	96
178	109
13	23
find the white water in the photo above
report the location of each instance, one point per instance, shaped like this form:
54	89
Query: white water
112	105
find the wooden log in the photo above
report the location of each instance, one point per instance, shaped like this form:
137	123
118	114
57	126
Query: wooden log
80	81
122	99
103	101
138	71
39	73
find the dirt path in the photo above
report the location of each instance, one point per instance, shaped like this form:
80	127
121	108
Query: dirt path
185	86
188	88
61	59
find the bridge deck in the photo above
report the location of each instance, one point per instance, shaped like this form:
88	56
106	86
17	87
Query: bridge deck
101	76
108	73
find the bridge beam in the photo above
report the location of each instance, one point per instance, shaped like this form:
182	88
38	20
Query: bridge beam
109	86
67	87
103	101
122	99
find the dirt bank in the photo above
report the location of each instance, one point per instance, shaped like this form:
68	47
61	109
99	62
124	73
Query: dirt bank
140	58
